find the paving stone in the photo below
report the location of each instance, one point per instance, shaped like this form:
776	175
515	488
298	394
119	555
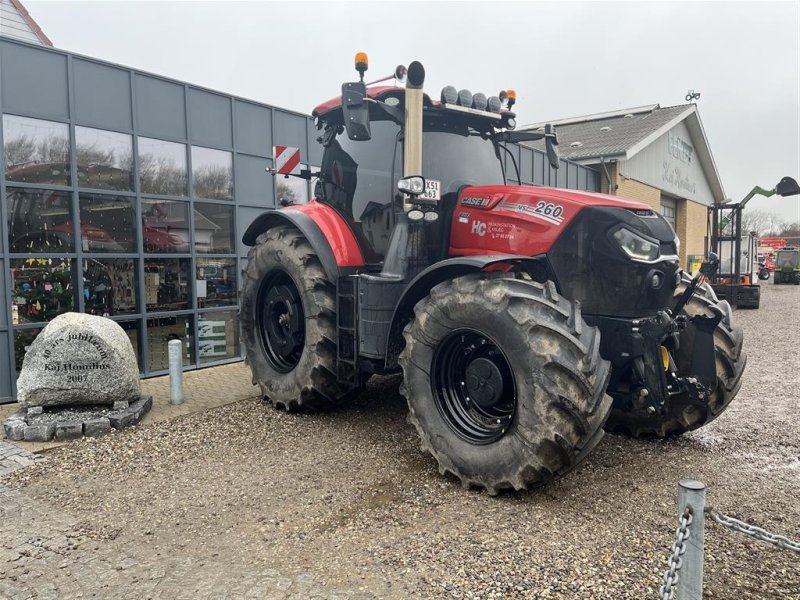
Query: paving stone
39	433
15	430
68	430
95	427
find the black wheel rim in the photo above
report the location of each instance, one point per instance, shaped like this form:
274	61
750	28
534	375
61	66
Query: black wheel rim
281	321
474	386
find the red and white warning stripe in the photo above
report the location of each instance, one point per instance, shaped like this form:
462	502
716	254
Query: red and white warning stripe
286	159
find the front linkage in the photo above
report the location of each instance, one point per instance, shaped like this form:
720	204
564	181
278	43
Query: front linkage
645	378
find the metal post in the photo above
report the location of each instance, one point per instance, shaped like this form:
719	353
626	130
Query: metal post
692	494
175	350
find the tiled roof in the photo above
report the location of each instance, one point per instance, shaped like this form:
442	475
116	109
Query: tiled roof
608	134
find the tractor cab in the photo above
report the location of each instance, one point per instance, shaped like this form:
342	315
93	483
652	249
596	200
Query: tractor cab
359	174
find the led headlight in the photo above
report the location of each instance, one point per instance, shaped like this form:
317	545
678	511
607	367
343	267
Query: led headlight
636	246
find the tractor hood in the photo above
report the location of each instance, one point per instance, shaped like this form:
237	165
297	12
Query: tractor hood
617	256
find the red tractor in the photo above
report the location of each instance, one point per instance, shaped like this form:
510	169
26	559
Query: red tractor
524	319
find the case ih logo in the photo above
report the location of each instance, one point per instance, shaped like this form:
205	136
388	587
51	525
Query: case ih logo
475	201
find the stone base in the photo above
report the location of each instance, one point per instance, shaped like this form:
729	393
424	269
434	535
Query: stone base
72	422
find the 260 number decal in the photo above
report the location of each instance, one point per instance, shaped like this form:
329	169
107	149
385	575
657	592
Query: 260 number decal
548	209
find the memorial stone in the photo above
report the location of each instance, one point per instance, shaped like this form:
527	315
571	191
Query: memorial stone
79	359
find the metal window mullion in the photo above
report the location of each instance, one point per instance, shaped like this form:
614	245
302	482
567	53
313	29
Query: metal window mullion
192	249
10	366
77	270
50	187
142	334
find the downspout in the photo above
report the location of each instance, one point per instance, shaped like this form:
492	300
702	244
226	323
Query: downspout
612	187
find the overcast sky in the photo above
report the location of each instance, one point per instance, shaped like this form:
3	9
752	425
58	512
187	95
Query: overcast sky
564	59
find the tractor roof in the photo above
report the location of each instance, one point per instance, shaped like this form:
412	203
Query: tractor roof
374	92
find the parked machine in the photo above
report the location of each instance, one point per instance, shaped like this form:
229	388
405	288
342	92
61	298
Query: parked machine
735	281
787	266
524	319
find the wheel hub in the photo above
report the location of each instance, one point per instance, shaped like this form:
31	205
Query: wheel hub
473	386
281	321
484	382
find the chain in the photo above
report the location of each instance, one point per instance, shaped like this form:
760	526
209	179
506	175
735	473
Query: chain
675	560
756	532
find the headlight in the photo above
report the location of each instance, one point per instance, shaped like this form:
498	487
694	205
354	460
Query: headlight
636	246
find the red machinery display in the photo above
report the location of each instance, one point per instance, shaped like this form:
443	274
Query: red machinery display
524	319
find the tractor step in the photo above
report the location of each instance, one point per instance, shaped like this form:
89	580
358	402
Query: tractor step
347	371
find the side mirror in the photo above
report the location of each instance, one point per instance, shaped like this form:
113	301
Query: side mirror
787	187
550	143
710	265
355	111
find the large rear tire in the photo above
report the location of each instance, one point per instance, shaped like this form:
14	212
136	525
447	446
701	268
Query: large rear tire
730	363
288	318
504	381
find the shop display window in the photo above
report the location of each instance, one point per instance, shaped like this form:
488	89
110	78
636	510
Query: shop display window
23	338
107	223
162	167
41	288
109	286
36	151
213	228
159	333
165	226
217	336
216	282
292	190
212	173
39	221
166	284
131	329
104	159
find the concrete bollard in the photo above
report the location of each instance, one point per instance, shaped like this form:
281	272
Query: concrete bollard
175	349
690	583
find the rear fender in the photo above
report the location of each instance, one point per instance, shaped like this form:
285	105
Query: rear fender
538	267
326	231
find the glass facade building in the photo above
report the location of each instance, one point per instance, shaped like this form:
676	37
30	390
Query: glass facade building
125	194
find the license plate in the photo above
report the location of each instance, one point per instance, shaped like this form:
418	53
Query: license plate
433	190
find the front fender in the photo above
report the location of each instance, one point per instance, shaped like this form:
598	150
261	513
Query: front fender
537	267
326	231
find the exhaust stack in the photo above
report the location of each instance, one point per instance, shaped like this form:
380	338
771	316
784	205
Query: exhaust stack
412	159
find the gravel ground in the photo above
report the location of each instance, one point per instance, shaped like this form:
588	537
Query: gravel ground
348	501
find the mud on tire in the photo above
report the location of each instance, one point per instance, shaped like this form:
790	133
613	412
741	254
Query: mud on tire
730	362
306	379
559	380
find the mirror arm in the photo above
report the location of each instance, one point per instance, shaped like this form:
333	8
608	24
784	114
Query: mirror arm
395	113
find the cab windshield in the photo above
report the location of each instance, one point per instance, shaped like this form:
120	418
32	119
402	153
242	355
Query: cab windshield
359	176
458	156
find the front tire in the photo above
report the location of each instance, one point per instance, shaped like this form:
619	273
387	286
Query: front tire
730	363
504	381
288	318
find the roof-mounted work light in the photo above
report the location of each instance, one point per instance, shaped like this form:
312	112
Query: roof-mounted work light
494	104
465	98
479	101
449	94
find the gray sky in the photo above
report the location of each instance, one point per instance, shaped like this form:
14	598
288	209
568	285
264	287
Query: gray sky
564	59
